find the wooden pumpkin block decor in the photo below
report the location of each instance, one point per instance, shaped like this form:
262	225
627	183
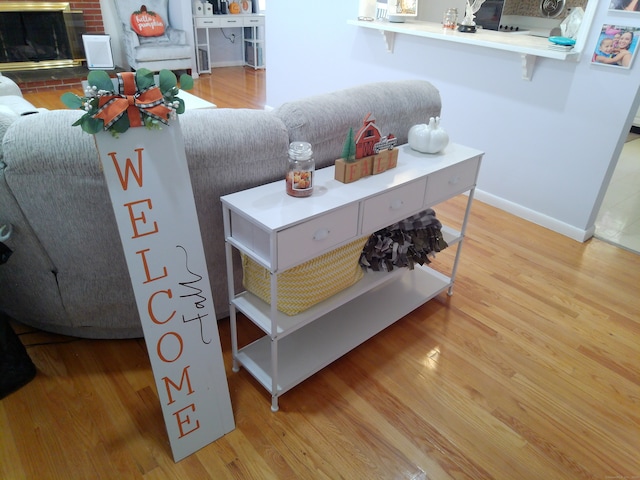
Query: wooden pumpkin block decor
367	152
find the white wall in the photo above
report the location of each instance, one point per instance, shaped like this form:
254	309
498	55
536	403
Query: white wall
551	143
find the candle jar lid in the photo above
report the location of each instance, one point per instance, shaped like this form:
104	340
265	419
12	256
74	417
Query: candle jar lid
300	150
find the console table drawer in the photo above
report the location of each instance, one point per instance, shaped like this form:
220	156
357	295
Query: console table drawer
253	21
451	181
231	22
313	237
207	22
392	206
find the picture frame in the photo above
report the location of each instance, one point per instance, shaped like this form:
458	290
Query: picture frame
631	6
616	46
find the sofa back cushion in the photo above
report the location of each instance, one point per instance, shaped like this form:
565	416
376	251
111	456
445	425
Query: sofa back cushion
324	120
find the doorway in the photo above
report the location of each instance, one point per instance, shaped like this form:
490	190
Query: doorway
618	220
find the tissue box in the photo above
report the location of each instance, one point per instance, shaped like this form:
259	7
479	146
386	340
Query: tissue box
305	285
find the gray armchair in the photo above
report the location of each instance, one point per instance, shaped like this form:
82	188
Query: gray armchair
167	51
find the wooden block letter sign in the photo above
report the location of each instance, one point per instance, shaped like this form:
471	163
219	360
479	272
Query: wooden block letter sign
370	152
385	160
347	172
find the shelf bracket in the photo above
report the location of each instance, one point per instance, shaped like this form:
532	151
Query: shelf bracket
389	39
528	62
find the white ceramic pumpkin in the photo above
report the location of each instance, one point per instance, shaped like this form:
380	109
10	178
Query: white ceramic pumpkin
428	138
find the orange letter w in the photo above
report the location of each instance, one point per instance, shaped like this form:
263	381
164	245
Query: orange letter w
137	174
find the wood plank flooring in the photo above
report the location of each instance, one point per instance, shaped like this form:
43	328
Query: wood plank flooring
531	370
232	87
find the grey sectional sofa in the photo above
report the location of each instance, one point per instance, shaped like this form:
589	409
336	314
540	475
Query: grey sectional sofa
67	273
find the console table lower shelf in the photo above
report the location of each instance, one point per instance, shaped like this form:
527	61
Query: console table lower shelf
295	357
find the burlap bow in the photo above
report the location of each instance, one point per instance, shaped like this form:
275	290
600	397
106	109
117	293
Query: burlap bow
132	102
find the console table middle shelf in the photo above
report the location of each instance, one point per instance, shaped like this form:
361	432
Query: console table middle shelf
279	232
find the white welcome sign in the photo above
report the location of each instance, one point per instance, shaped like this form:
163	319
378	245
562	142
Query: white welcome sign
148	179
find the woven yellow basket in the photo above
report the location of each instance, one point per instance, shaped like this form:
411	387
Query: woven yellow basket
301	287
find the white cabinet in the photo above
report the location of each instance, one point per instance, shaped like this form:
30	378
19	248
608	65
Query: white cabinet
251	26
279	232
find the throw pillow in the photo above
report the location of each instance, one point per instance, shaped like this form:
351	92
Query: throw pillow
147	23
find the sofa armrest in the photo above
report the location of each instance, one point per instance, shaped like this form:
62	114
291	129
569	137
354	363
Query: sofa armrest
17	104
9	87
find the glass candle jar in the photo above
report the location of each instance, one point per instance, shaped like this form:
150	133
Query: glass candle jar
301	168
450	20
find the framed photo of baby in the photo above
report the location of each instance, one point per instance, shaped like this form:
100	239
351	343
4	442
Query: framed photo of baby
616	46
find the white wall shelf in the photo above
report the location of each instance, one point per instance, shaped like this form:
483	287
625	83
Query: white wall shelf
529	47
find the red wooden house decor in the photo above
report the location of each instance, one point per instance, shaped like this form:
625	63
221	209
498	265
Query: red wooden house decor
374	153
368	135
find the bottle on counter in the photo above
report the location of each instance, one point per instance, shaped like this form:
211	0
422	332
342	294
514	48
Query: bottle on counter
450	21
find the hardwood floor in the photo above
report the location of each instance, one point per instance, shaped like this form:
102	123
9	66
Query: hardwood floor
232	87
531	370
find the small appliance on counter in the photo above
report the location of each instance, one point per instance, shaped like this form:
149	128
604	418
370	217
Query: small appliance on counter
220	7
491	16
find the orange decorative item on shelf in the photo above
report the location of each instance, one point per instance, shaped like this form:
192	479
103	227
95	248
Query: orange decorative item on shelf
234	7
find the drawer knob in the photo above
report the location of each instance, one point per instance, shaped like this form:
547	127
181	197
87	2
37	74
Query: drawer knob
454	180
396	204
321	234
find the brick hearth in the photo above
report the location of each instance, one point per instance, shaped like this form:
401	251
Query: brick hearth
50	79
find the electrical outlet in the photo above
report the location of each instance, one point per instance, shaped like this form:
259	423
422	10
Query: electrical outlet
233	37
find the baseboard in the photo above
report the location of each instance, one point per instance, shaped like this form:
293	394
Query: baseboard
538	218
231	63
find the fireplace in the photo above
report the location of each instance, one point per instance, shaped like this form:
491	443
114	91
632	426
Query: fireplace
40	35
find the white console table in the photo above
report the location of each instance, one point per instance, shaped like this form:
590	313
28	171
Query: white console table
252	26
278	232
